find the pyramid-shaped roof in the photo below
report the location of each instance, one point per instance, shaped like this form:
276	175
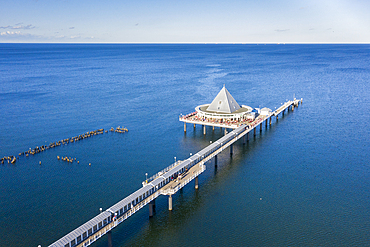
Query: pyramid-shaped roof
224	103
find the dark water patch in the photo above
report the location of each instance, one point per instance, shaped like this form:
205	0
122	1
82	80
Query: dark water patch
353	70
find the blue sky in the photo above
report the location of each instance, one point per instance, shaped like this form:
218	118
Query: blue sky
186	21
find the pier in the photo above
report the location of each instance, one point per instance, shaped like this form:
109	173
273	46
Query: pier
171	179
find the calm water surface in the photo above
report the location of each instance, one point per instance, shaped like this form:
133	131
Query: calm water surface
304	181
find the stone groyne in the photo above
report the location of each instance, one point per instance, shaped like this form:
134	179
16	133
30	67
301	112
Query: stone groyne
12	159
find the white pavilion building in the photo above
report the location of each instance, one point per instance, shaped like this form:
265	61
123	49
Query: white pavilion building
223	108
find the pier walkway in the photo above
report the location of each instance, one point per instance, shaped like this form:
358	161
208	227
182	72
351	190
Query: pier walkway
166	182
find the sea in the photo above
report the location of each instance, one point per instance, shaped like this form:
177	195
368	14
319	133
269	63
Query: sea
303	181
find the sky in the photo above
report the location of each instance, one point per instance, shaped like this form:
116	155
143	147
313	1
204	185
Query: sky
185	21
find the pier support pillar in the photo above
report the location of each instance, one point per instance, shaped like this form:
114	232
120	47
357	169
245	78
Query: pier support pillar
151	208
266	122
254	131
248	137
170	203
196	183
216	160
270	120
184	127
213	127
277	117
243	139
194	126
225	131
231	149
204	129
292	107
110	239
283	112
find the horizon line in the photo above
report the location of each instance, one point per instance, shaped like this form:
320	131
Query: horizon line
205	43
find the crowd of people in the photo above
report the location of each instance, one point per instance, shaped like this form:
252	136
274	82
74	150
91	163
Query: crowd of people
223	121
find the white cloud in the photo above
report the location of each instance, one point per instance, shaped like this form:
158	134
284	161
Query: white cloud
10	33
17	33
281	30
18	26
30	26
15	36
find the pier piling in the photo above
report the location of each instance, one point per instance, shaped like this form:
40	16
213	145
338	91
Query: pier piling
196	183
151	208
110	239
170	202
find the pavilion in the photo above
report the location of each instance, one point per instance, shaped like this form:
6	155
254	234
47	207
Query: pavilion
223	108
222	112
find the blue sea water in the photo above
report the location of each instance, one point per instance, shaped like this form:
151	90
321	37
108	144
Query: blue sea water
303	181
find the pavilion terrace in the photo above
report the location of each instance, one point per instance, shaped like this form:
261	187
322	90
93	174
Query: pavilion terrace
223	112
